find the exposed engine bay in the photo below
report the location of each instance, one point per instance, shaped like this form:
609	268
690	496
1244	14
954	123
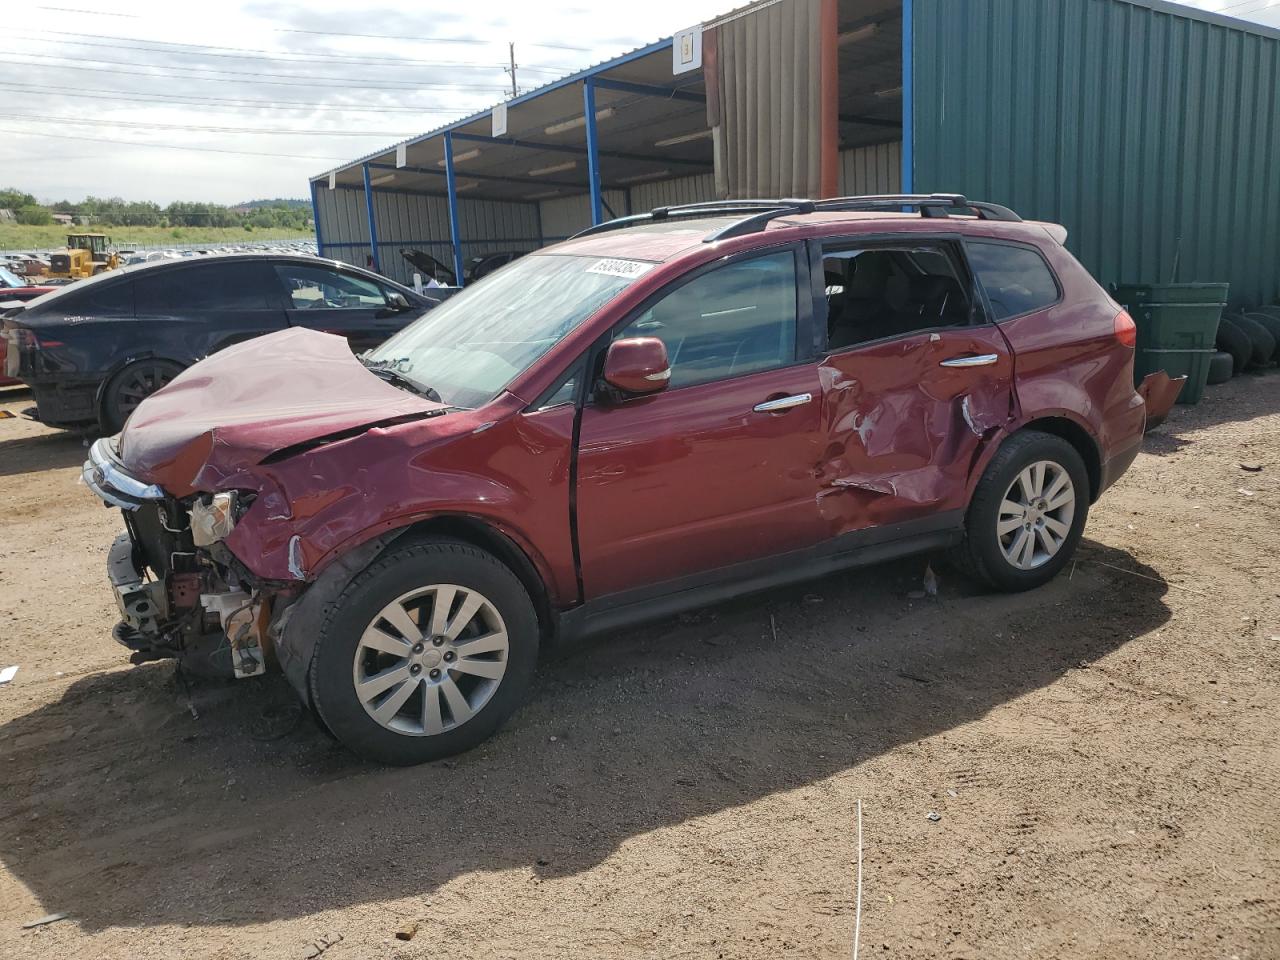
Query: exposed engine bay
181	593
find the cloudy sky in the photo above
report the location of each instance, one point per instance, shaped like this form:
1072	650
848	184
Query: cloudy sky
240	99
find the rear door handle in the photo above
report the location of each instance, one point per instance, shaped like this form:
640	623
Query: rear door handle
982	360
783	403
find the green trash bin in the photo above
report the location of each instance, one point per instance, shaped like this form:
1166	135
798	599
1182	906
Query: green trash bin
1177	326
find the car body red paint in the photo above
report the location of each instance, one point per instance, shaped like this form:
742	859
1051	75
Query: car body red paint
607	499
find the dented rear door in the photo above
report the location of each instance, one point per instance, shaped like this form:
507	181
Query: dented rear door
906	418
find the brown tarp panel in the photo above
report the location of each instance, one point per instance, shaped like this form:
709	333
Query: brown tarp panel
766	109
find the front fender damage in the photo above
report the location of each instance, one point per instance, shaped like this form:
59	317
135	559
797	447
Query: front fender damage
299	617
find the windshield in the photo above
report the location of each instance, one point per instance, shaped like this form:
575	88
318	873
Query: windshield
8	279
471	346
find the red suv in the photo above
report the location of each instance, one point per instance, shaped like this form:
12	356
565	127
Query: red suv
662	412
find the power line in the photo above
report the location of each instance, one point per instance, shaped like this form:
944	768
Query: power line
233	102
164	146
40	118
203	50
391	36
361	83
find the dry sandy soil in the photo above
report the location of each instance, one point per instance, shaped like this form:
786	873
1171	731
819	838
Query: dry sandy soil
1102	754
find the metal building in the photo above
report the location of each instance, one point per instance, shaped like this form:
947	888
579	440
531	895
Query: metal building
1150	129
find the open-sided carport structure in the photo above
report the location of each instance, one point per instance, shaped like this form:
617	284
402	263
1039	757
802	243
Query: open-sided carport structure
1150	129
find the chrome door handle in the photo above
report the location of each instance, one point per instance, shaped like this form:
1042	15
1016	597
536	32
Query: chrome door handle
783	403
984	360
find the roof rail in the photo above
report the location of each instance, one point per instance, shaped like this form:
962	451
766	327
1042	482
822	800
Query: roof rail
760	212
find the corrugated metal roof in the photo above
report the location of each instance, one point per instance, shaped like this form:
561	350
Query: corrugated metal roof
594	70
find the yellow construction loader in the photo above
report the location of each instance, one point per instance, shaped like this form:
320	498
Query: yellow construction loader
86	255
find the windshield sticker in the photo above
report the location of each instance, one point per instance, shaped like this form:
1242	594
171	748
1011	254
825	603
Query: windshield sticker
628	269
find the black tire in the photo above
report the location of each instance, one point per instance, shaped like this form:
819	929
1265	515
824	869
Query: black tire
1235	342
1272	326
981	554
130	387
1270	311
1221	367
1264	345
396	574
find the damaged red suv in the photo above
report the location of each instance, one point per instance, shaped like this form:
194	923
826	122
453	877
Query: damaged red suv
662	412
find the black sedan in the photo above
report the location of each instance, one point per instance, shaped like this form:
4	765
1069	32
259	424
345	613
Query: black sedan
92	351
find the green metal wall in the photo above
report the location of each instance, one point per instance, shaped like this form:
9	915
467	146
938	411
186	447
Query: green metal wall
1130	125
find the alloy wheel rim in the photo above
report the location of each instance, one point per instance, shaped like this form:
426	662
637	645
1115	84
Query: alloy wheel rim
430	660
1036	514
144	381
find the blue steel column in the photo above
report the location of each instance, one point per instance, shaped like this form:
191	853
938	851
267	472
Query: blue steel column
315	218
451	181
373	226
593	150
908	100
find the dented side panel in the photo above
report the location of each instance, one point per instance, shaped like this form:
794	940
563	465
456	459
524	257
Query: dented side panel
512	472
903	431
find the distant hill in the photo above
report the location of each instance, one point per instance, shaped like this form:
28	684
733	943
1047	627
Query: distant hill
279	202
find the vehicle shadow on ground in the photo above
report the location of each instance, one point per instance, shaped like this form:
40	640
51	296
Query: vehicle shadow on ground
121	809
49	451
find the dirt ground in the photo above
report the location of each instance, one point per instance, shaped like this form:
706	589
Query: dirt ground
1102	754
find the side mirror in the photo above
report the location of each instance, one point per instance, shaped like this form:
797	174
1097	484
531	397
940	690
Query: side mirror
396	303
637	366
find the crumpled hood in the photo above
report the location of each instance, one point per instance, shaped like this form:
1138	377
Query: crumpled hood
228	412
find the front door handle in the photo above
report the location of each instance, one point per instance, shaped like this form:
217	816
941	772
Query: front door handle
982	360
783	403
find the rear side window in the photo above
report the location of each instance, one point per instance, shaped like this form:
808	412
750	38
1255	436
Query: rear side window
109	300
244	285
1016	279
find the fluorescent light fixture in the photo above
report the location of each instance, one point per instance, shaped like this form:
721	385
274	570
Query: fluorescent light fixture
858	35
556	168
544	195
645	176
890	92
566	125
461	157
379	181
683	138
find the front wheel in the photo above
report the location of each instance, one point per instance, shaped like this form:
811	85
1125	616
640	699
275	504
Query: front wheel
425	654
1027	514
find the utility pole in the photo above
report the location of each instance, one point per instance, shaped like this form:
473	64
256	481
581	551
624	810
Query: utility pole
515	91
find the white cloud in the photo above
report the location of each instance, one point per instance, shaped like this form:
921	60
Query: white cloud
153	73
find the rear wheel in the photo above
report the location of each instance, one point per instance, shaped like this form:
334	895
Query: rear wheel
1027	513
425	654
131	386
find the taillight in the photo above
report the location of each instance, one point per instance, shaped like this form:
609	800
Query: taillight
1126	330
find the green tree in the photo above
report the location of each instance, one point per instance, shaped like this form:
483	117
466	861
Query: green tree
34	216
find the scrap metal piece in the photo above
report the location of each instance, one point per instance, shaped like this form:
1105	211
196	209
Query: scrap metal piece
213	521
1159	392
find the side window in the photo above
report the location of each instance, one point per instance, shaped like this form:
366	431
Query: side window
320	288
882	292
565	391
206	286
736	319
1016	279
108	300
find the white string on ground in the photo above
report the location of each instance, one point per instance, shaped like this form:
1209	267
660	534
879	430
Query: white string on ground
857	915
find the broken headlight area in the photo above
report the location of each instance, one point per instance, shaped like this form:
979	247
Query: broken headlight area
183	594
212	517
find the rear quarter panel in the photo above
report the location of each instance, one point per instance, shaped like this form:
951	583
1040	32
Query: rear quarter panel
1068	363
